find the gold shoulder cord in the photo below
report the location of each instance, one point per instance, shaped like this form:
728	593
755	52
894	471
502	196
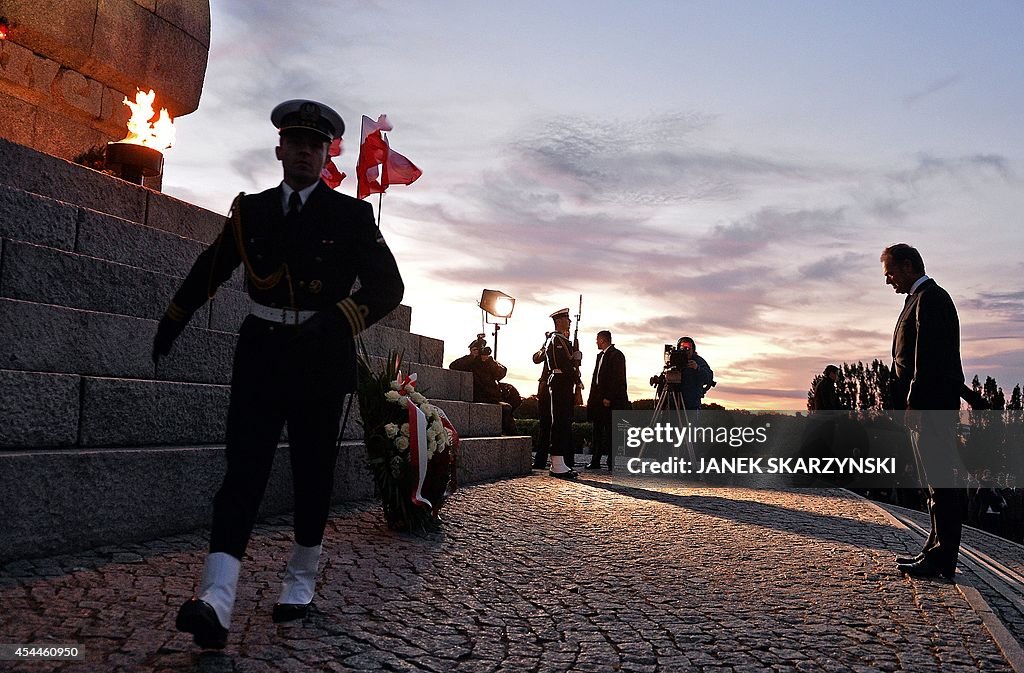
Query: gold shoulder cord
266	282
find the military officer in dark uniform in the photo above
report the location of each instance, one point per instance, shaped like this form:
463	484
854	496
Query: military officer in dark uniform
563	362
302	246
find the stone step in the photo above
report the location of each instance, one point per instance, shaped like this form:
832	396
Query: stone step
47	275
46	175
32	218
59	410
119	412
110	219
134	248
63	501
47	338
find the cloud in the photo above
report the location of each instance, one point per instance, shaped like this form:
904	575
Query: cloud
961	168
931	88
1008	306
834	268
656	160
772	225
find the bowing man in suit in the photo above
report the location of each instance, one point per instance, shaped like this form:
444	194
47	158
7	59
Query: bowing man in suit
927	379
607	393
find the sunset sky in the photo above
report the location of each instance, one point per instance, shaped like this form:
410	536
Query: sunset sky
724	170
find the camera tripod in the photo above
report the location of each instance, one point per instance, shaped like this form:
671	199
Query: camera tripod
682	418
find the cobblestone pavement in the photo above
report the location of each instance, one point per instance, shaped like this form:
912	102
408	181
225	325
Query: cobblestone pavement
533	574
1004	594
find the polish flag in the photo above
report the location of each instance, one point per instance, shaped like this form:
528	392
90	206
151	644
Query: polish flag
374	153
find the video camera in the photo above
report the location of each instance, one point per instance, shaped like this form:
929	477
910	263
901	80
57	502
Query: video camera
481	343
676	360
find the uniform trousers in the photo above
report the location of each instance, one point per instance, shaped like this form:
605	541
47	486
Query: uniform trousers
563	396
267	391
544	412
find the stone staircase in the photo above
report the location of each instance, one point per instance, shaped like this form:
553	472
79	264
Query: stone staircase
97	445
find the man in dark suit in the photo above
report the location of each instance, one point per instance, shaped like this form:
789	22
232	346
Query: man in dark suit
302	246
826	398
927	379
607	393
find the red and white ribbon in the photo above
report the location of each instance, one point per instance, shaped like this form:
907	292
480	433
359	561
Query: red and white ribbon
453	477
417	439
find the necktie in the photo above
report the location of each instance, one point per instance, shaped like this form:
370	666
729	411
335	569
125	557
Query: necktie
294	204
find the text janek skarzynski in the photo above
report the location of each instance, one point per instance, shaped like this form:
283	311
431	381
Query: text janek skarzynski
774	465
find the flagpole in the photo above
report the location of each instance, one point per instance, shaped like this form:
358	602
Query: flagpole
380	204
380	194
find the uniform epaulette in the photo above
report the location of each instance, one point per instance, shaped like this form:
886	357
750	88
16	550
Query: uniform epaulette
354	313
176	313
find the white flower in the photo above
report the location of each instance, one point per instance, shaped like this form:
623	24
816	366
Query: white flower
402	443
391	430
392	396
417	398
395	385
405	429
404	401
431	449
431	434
410	388
437	427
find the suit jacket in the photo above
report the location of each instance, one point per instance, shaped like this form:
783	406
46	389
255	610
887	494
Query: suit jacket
308	261
612	383
825	395
927	372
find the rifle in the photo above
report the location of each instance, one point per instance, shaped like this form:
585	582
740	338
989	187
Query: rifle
575	349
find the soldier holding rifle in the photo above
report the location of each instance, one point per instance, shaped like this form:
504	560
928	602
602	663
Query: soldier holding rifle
562	360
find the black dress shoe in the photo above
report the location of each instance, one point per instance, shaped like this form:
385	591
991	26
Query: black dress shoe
199	618
926	569
289	612
571	475
907	560
594	467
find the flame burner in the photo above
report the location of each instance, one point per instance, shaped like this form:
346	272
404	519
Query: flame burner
133	162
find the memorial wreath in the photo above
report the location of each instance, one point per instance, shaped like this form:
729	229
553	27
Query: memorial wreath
411	446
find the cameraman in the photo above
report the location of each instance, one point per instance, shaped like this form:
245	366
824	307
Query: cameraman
697	377
486	373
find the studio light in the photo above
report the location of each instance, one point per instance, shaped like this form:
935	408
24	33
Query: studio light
496	308
497	304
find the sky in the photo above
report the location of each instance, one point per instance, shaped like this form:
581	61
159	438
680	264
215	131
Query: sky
729	171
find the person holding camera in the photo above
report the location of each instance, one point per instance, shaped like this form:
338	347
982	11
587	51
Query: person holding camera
486	373
697	376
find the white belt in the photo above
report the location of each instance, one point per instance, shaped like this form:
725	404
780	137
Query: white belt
286	316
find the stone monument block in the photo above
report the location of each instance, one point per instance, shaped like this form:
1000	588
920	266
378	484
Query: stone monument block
67	65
